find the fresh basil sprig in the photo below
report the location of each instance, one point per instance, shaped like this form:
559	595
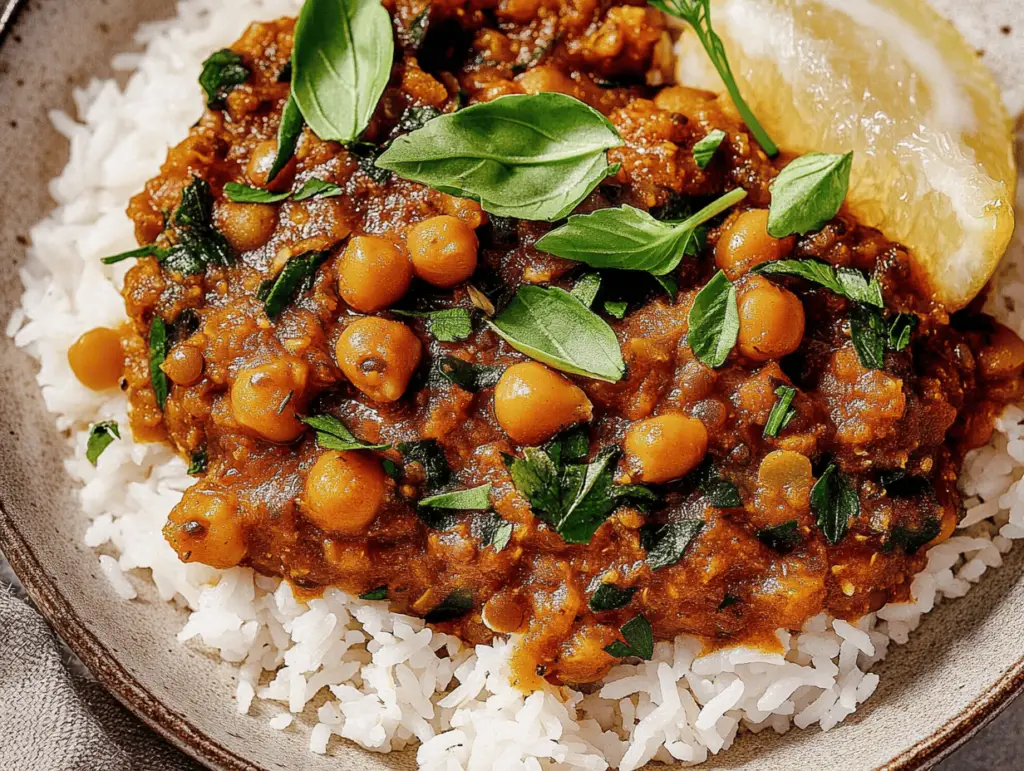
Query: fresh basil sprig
332	434
639	640
697	13
835	502
472	499
782	412
631	239
101	436
222	71
847	282
341	63
808	193
704	150
533	156
714	321
553	327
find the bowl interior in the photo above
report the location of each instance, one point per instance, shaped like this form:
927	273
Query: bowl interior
957	671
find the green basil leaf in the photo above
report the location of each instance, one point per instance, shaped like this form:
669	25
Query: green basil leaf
553	327
616	308
665	545
246	194
318	188
150	250
782	538
669	285
467	375
586	288
714	321
495	531
705	149
847	282
101	435
631	239
196	206
610	597
380	593
366	156
835	501
782	412
868	332
222	71
533	157
288	133
639	640
728	601
157	355
473	499
341	64
415	118
198	248
198	462
392	469
912	541
808	193
295	277
332	434
900	329
448	326
416	32
429	454
457	604
858	288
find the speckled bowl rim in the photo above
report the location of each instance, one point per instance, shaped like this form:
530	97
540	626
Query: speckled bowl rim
182	733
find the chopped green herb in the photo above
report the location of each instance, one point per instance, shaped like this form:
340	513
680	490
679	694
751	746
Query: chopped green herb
101	435
669	285
467	375
429	454
666	544
288	133
196	206
728	601
332	434
782	538
457	604
495	531
782	412
847	282
380	593
222	71
616	308
553	327
198	462
901	327
418	27
245	194
318	188
157	355
808	193
586	288
473	499
868	332
705	149
199	243
295	277
366	156
714	321
415	118
697	13
835	502
448	326
610	597
912	541
639	640
392	469
151	250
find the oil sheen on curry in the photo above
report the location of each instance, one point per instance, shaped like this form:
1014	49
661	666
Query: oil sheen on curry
701	405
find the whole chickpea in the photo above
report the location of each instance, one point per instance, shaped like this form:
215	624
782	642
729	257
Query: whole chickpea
771	320
265	399
205	527
261	161
97	359
443	250
184	365
373	273
745	243
533	403
378	356
344	491
666	447
246	226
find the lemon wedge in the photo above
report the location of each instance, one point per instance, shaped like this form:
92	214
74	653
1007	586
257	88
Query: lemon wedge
897	84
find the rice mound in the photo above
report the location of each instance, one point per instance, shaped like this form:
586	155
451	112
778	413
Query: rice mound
384	680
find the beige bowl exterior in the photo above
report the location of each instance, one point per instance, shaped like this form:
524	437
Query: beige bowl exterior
960	669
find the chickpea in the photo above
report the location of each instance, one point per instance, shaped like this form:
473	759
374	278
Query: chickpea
771	320
265	399
261	161
97	359
533	403
246	226
1003	357
745	244
205	527
583	658
546	79
184	365
379	357
443	250
344	491
373	273
666	447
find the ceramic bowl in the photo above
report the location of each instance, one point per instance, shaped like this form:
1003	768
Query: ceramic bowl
959	670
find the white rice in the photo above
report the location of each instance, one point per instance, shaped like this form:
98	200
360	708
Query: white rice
384	680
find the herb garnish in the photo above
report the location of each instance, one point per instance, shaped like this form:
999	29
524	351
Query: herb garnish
222	71
157	355
639	640
448	326
808	193
199	243
720	492
198	462
782	538
101	435
666	544
835	502
869	335
846	282
616	308
714	321
533	157
610	597
586	288
295	277
150	250
380	593
312	188
697	13
418	27
332	434
705	149
782	412
631	239
553	327
911	541
467	375
900	329
318	188
288	133
457	604
495	531
429	454
472	499
341	64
